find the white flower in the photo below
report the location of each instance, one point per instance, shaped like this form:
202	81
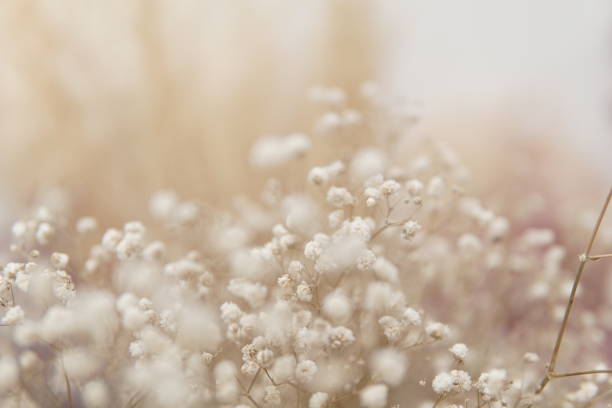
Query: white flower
85	225
339	197
414	187
13	316
453	381
337	306
274	151
531	358
367	163
436	330
340	337
372	195
491	383
272	396
374	396
385	270
318	400
410	229
390	365
469	245
585	393
459	351
230	312
111	238
389	187
253	292
264	358
59	260
303	292
95	394
435	188
412	317
44	233
312	250
305	371
318	176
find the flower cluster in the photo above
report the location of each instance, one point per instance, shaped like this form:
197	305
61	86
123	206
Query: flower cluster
358	286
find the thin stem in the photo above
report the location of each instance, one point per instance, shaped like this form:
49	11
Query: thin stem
270	377
12	295
253	381
568	309
598	224
598	257
68	388
252	400
577	373
440	398
583	260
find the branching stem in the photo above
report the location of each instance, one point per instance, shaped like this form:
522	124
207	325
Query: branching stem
586	257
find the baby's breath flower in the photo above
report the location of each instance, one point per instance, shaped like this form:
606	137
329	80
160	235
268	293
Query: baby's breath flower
374	396
305	371
531	358
44	233
453	381
339	197
318	400
410	229
436	330
13	316
459	351
585	393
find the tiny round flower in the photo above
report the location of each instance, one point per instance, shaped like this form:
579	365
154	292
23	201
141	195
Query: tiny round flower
312	250
410	229
318	176
585	393
469	245
454	381
19	229
303	292
85	225
340	337
59	260
531	358
264	358
335	218
389	187
249	368
329	122
111	238
305	371
435	188
339	197
459	351
372	195
374	396
318	400
295	268
414	187
337	306
436	330
44	233
272	396
412	317
389	365
230	312
13	316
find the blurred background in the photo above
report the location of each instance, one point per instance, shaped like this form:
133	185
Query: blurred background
111	101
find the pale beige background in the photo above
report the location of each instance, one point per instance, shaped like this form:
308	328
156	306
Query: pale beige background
113	100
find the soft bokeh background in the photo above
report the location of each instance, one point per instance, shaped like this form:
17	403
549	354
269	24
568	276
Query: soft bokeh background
113	100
